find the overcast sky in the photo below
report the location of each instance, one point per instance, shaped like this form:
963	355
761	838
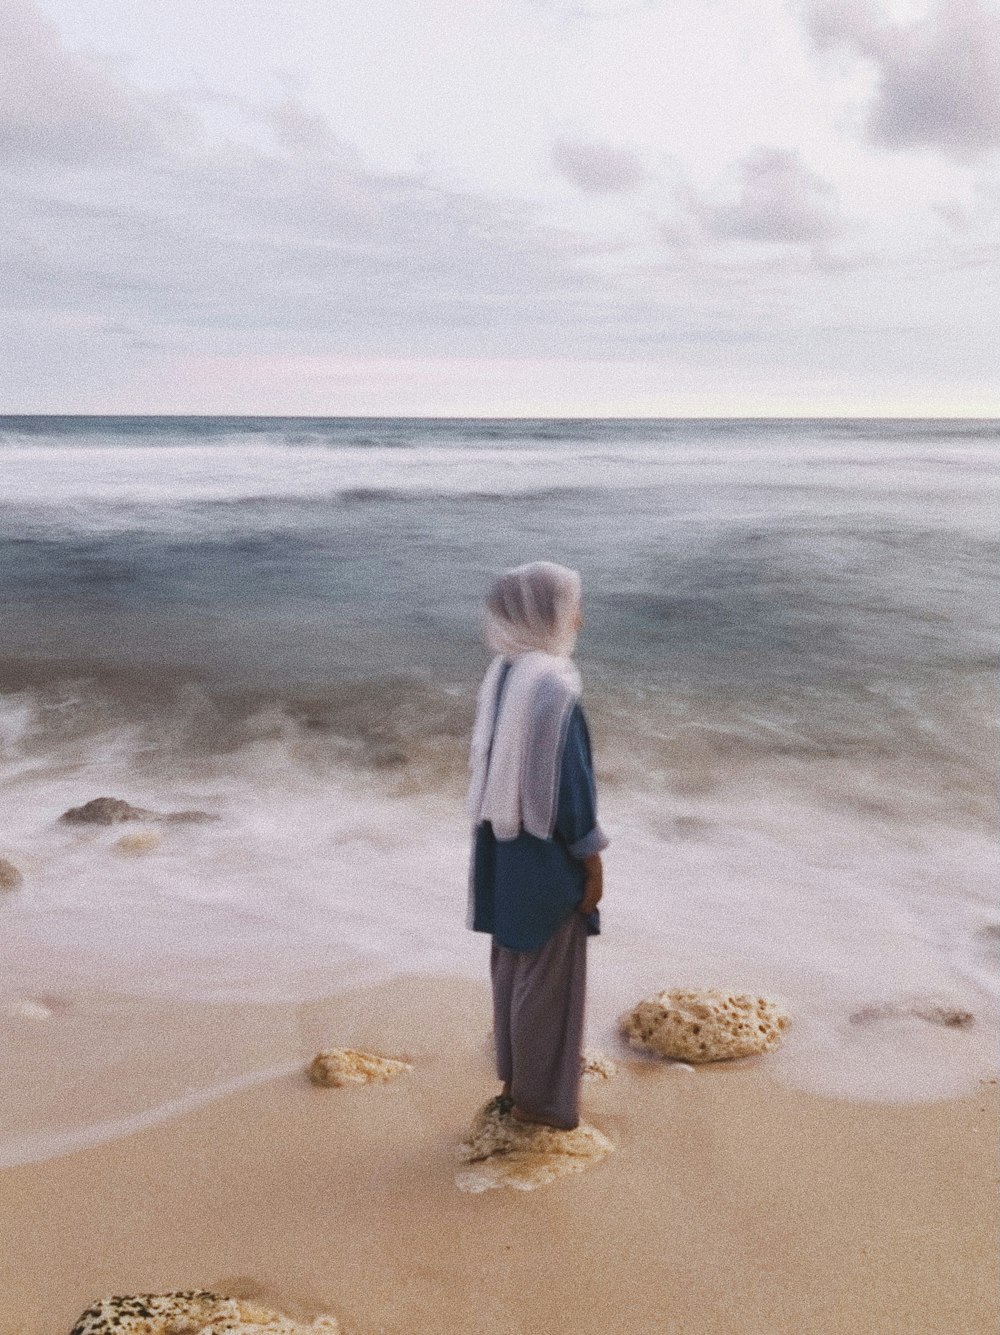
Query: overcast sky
694	207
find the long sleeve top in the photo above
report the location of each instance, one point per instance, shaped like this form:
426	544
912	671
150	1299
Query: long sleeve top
523	888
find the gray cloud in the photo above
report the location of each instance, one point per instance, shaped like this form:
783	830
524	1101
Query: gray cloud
780	199
597	169
939	77
133	236
123	210
60	106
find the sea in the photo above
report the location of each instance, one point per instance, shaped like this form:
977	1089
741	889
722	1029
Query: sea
789	658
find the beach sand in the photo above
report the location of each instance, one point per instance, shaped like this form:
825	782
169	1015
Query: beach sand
732	1205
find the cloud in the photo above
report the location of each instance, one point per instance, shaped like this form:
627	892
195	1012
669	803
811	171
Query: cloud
61	106
780	200
597	169
938	76
142	235
272	233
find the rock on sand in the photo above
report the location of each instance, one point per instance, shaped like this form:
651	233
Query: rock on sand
705	1026
500	1152
345	1066
10	877
191	1314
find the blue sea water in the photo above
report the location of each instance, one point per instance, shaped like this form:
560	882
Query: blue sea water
789	658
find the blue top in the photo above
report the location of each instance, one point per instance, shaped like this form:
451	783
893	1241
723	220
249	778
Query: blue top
523	888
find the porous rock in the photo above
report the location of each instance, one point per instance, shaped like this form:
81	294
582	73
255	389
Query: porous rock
595	1066
10	877
192	1313
346	1066
705	1026
501	1152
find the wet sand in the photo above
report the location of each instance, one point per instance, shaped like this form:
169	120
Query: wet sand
732	1205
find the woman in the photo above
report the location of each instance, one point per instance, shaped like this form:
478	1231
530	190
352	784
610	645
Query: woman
535	874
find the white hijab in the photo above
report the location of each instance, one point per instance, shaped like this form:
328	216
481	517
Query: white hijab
514	767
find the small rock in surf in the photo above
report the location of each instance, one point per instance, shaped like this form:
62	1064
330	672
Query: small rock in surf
10	877
112	810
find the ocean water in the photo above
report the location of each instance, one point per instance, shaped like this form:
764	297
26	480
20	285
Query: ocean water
790	667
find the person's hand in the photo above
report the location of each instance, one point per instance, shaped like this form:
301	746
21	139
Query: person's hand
593	884
591	899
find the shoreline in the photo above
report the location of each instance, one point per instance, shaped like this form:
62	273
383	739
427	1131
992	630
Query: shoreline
181	1053
733	1204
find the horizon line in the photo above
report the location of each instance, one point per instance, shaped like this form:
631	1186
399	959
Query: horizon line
522	417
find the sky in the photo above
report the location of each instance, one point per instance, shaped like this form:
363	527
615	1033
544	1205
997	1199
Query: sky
500	207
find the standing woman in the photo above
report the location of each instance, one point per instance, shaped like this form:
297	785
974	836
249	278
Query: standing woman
535	875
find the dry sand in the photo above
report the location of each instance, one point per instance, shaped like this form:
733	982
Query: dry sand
732	1205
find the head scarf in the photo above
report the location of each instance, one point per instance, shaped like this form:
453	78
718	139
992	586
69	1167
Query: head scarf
516	752
533	607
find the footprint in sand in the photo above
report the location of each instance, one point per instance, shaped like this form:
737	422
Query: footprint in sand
935	1010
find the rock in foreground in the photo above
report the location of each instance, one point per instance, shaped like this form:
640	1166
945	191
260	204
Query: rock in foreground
10	877
191	1314
500	1152
705	1026
346	1066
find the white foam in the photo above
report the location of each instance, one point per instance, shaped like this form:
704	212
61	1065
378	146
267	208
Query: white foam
317	881
92	485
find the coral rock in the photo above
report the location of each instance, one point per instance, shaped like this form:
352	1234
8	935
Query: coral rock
345	1066
504	1153
595	1066
194	1313
10	877
705	1026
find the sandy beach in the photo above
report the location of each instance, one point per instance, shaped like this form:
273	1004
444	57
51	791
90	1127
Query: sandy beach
732	1205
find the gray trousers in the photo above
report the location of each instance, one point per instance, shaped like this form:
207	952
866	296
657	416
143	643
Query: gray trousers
538	1004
